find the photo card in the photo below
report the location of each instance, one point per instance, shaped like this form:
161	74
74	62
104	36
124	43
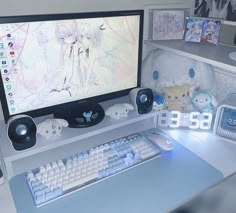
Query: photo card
211	31
168	24
193	29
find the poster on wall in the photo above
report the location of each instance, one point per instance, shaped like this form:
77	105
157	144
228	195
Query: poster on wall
222	9
168	24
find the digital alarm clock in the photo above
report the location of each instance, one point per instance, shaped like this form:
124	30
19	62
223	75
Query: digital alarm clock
225	122
192	120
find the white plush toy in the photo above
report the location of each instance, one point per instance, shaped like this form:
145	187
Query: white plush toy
163	69
118	111
51	127
204	101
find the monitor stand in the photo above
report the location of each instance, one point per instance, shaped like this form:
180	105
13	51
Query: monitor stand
83	114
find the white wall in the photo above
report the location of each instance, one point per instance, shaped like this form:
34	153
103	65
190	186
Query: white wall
16	7
28	7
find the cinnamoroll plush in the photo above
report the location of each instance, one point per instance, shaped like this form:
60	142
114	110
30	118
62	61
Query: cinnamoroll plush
51	127
118	111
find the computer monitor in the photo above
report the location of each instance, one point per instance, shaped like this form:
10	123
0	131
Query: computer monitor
51	63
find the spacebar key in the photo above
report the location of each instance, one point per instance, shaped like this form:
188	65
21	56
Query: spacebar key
79	181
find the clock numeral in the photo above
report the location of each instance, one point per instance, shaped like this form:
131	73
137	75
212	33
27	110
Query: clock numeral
194	120
206	120
174	119
163	118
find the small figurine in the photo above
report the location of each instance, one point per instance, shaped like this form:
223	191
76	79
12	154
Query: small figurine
51	127
88	116
118	111
159	102
204	101
176	97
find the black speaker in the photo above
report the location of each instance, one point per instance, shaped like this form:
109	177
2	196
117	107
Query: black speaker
22	131
141	99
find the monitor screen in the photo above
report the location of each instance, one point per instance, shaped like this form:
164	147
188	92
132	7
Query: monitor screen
49	61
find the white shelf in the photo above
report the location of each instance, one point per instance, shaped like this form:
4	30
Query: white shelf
216	55
69	135
71	140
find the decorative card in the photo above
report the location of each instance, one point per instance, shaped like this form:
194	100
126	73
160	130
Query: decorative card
193	30
211	31
168	24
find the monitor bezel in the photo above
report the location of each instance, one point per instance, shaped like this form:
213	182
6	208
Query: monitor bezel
64	16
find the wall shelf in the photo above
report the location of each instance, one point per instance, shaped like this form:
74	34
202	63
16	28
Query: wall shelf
216	55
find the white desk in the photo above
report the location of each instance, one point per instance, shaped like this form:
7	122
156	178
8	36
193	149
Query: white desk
220	154
214	150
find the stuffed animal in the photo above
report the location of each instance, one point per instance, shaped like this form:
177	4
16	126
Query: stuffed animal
88	116
176	97
51	127
204	101
159	102
161	68
118	111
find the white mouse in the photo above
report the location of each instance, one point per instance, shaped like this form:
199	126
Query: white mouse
161	141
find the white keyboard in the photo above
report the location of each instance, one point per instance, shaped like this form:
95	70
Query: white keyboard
57	179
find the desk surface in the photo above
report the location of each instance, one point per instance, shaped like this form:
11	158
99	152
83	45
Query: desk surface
210	148
156	186
217	198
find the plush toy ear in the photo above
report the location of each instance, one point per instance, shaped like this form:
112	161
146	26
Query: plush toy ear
214	101
62	122
128	106
108	111
191	91
39	128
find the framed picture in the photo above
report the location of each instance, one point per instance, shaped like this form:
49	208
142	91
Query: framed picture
193	30
150	30
211	31
168	24
202	30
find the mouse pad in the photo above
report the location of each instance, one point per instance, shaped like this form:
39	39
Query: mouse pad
156	186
